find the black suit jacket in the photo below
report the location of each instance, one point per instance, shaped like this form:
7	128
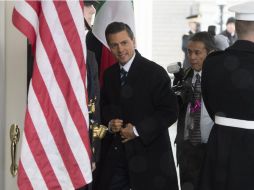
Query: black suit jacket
148	103
228	91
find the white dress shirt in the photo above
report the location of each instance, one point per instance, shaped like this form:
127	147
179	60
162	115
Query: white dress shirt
206	122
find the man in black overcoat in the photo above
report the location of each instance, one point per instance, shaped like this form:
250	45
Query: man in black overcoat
138	108
228	91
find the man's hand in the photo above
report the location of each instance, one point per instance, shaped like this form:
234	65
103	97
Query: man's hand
127	133
115	125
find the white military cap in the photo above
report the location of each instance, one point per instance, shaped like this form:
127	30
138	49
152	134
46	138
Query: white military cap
244	11
193	18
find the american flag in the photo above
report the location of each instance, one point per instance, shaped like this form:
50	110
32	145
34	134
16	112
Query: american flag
55	151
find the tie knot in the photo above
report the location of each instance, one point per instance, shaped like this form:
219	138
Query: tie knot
197	86
123	72
197	76
123	76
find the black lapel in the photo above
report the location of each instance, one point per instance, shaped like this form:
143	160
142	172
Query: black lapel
116	77
135	69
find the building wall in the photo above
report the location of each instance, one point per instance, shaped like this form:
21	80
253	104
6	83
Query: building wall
169	24
2	94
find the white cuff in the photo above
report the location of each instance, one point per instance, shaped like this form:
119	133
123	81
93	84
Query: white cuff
135	131
109	128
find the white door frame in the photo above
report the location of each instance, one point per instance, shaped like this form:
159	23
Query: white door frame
13	93
2	93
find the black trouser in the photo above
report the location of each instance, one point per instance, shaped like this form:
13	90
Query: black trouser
190	161
120	177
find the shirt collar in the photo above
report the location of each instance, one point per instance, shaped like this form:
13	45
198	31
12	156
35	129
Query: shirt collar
197	72
127	66
86	31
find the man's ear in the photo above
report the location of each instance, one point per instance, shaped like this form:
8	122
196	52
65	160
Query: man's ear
134	41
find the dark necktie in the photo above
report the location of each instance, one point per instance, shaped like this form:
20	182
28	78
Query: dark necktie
195	133
123	76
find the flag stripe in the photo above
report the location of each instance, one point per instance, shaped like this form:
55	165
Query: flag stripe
30	167
36	5
64	73
68	66
28	26
53	140
64	50
71	32
26	184
79	24
54	112
56	151
38	152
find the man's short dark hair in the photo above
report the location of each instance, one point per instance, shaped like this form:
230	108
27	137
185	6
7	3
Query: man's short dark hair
230	20
206	38
116	27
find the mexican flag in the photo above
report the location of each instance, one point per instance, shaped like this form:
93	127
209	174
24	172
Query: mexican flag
107	12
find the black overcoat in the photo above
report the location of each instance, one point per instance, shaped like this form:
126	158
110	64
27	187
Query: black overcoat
148	103
228	91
